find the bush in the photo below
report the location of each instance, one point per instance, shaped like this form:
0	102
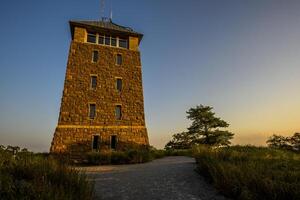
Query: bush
251	172
131	156
119	157
179	152
26	175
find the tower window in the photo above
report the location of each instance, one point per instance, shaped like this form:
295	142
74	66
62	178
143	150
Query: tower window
95	56
119	59
101	39
93	82
123	43
118	112
107	40
92	110
119	84
113	142
96	141
113	41
91	38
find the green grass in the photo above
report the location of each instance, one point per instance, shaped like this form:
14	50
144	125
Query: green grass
40	176
247	172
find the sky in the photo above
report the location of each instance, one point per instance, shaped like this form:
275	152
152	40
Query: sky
240	56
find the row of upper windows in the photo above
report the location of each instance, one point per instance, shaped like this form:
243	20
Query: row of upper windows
95	58
107	40
94	83
92	111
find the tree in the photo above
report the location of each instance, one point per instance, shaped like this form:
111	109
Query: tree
279	142
205	129
206	126
295	141
181	140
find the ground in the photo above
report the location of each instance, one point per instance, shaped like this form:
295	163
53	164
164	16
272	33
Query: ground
169	178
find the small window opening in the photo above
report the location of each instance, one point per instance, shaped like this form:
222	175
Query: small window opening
119	59
96	141
95	56
118	112
92	111
113	142
119	84
93	82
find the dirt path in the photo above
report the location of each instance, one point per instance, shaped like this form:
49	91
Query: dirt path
170	178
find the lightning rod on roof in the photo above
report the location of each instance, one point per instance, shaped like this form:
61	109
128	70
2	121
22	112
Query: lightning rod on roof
111	13
102	4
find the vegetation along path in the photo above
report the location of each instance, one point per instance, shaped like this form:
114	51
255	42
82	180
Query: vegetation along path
169	178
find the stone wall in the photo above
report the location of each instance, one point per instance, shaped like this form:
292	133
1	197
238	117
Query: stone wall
75	129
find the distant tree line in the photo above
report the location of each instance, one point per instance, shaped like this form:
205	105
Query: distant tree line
288	143
205	129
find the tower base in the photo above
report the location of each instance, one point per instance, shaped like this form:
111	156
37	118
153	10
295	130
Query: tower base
75	139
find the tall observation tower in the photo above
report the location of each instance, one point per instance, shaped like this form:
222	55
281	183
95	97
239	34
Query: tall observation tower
102	106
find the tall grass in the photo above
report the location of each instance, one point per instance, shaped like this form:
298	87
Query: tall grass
251	172
37	176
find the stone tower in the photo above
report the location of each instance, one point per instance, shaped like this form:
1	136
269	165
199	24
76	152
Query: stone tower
102	106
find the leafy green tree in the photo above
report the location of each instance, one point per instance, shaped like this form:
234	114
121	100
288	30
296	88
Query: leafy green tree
205	129
206	126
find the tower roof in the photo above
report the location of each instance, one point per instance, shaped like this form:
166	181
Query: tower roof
105	26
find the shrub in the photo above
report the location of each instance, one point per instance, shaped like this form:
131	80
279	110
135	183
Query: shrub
37	176
251	172
119	157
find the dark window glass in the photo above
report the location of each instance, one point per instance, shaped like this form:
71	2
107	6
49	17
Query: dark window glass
92	113
113	142
123	43
95	56
96	142
91	38
118	112
119	84
107	40
101	39
119	59
113	41
93	82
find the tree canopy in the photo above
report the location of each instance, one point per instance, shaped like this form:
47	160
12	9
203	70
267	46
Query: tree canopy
205	129
281	142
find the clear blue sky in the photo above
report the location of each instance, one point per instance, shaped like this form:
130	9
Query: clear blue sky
241	57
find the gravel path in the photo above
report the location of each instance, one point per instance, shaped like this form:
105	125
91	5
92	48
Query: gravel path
169	178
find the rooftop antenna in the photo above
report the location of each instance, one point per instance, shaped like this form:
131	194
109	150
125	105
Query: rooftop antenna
102	4
111	13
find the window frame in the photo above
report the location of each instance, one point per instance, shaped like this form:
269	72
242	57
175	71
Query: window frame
121	56
92	76
120	111
115	143
93	56
119	79
98	142
96	38
111	37
95	111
